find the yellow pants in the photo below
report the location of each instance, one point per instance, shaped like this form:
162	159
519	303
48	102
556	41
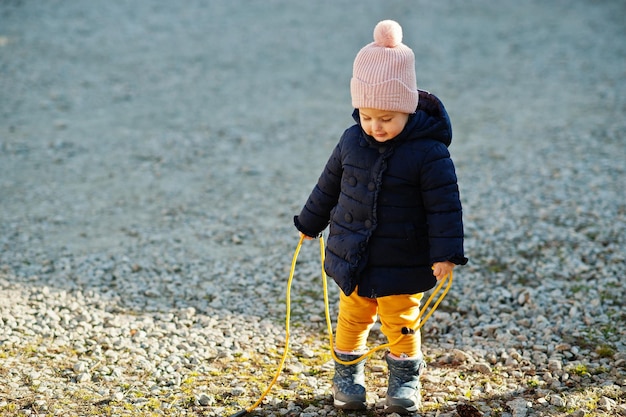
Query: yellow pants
357	316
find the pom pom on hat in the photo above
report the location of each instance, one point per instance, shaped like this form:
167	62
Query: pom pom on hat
388	33
383	75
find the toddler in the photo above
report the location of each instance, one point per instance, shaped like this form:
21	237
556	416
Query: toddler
389	193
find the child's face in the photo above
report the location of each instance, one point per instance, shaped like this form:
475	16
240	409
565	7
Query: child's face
382	125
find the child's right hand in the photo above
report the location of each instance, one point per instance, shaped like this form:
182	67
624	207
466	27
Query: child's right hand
305	237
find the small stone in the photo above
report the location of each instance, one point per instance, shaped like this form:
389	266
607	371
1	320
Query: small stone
606	404
460	356
307	353
557	401
555	365
294	368
41	405
511	363
483	368
315	318
492	358
523	298
83	377
205	399
80	367
518	406
468	410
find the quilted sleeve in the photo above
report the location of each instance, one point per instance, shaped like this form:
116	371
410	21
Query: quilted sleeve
442	203
315	214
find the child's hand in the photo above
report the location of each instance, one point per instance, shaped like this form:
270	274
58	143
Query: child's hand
302	235
442	269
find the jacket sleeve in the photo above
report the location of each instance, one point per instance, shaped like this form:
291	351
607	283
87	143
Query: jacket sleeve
315	214
440	194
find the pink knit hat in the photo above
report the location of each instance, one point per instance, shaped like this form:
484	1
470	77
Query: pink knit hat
383	75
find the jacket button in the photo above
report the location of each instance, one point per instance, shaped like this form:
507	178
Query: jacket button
368	223
348	218
352	181
371	186
382	149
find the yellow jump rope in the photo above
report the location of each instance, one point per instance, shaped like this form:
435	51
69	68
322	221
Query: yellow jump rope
417	325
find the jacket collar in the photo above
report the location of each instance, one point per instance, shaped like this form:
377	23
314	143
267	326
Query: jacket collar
430	121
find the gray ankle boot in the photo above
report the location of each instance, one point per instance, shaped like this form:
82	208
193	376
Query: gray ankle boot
403	392
349	383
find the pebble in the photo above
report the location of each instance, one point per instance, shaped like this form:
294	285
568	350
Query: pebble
557	401
606	404
83	377
80	367
206	400
519	407
483	368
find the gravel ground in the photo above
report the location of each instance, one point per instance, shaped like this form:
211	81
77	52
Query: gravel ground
152	156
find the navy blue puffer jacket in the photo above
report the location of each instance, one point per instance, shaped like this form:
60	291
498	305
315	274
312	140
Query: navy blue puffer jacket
393	207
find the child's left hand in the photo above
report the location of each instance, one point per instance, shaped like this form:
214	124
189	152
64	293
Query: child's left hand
442	269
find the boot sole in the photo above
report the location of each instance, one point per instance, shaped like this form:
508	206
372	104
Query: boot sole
398	409
350	405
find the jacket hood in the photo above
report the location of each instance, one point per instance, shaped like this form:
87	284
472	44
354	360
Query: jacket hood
430	121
